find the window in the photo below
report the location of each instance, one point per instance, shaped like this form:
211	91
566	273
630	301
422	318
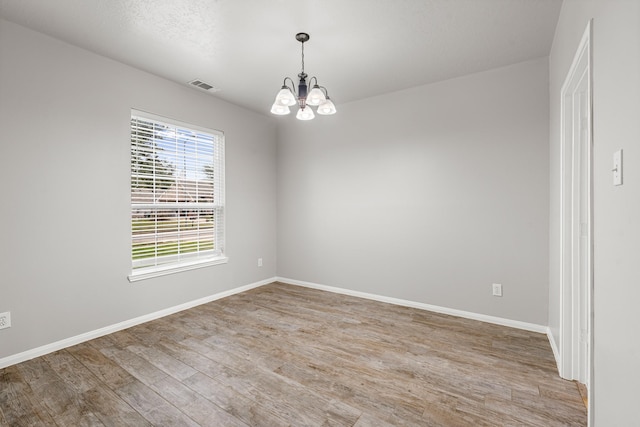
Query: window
177	196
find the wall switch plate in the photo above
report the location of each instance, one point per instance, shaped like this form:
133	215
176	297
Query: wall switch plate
617	168
259	262
497	289
5	320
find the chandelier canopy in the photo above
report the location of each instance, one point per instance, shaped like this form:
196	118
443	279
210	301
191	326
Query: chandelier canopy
318	97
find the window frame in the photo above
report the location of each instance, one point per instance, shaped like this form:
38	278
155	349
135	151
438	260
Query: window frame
189	260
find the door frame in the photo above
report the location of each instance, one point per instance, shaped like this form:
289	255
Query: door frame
570	232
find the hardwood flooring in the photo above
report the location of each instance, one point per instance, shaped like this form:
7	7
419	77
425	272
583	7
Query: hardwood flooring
582	389
283	355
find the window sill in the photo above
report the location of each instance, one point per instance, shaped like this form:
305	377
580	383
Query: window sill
150	272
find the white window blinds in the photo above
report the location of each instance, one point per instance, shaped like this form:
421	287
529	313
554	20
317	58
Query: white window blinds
177	196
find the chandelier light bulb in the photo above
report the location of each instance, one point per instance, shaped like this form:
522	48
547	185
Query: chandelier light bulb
280	110
285	97
305	114
327	108
316	96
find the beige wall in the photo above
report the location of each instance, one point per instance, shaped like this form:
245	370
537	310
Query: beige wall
64	149
428	195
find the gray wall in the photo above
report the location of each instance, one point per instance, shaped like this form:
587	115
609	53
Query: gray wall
616	112
64	148
429	195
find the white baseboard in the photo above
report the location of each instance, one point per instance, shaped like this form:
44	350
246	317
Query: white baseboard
68	342
554	348
437	309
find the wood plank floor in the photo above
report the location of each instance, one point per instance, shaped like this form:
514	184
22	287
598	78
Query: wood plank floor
283	355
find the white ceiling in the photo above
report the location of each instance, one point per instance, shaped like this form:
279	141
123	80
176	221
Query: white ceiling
358	48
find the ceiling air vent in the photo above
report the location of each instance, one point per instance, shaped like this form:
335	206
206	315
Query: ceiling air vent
204	86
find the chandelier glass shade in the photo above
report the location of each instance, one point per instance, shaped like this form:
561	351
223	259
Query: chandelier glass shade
288	96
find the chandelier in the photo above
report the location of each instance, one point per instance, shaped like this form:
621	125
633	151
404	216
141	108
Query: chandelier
318	97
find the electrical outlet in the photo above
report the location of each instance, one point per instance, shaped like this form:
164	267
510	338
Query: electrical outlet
497	290
5	320
259	262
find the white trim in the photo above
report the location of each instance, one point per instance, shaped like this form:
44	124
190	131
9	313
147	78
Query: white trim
422	306
211	143
153	271
554	348
68	342
169	121
569	307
